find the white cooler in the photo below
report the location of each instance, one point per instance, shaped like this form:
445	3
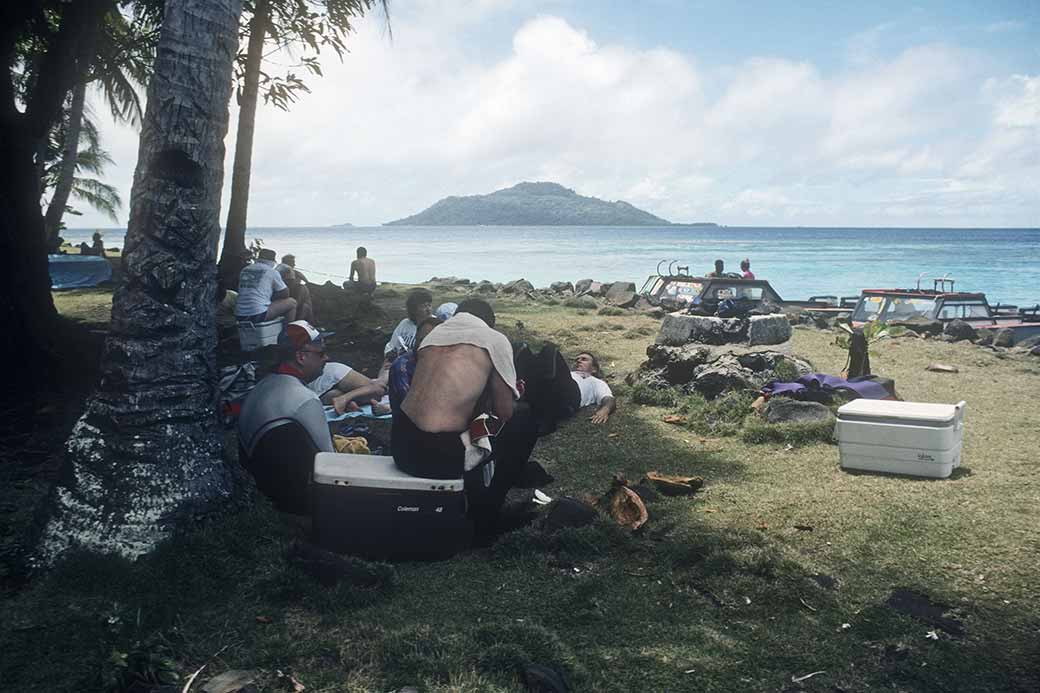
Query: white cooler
365	505
253	335
915	438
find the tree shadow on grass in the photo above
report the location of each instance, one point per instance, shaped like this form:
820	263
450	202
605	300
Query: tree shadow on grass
683	604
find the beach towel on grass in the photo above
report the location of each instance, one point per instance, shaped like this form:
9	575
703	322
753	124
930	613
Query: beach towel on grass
821	382
365	411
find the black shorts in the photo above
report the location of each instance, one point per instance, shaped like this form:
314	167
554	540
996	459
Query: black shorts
423	454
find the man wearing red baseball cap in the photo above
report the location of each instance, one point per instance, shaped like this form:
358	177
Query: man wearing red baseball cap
283	396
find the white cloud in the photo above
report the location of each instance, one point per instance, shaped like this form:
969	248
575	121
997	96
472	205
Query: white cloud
1005	26
401	124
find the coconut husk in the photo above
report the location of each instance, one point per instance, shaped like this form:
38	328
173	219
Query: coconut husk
671	485
624	505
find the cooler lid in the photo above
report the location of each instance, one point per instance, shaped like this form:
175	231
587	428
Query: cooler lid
373	471
918	412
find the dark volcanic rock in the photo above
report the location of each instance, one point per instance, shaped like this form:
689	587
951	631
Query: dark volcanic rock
519	286
919	326
785	409
582	285
960	330
561	287
1004	337
486	287
725	374
622	294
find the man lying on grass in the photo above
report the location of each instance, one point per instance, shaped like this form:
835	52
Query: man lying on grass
594	390
465	368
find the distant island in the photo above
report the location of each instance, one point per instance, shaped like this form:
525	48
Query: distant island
530	204
341	226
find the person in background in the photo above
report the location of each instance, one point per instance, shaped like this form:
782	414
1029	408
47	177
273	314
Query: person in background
403	369
362	273
262	295
720	269
98	248
446	310
298	290
745	269
594	390
346	389
419	304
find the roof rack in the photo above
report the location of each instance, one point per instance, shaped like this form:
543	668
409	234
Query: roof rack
939	284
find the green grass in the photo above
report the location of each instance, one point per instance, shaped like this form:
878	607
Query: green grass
716	593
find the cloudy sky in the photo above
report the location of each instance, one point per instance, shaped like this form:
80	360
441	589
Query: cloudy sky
741	112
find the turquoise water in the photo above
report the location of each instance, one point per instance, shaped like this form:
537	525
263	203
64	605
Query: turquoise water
798	262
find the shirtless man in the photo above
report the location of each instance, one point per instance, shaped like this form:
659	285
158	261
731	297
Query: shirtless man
364	269
464	368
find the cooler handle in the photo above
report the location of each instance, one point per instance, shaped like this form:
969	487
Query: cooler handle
959	407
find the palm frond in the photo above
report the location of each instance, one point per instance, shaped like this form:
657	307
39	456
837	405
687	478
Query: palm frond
101	196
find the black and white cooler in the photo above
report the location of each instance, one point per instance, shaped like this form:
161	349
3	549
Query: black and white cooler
364	505
914	438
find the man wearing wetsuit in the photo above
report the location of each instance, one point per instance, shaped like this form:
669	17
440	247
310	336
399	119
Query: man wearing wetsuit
283	396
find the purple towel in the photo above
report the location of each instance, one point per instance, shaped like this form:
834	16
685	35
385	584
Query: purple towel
867	389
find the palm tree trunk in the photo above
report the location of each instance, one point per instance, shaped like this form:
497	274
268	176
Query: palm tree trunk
234	249
27	313
70	149
146	454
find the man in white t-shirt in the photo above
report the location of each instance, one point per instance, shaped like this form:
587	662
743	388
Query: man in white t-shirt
262	295
594	390
419	305
345	388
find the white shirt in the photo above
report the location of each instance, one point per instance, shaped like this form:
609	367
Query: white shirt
256	284
593	390
403	337
331	374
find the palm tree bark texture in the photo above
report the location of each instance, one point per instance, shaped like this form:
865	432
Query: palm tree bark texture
145	457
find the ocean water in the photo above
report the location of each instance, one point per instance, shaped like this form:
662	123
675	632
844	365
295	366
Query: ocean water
798	262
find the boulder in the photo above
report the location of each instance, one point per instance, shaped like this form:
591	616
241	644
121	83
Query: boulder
920	326
960	330
677	329
787	410
1004	337
519	286
595	289
561	287
622	294
985	338
676	365
582	285
485	287
1029	343
723	375
1035	351
768	329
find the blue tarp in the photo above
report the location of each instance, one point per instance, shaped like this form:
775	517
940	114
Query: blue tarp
78	271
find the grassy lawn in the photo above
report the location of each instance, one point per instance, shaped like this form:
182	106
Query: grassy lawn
780	567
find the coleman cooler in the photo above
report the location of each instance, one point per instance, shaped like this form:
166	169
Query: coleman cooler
914	438
365	505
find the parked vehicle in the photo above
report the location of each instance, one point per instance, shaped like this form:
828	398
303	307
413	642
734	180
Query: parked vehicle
677	289
944	304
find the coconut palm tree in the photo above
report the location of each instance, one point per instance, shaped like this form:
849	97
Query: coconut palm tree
122	62
146	453
310	25
89	158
